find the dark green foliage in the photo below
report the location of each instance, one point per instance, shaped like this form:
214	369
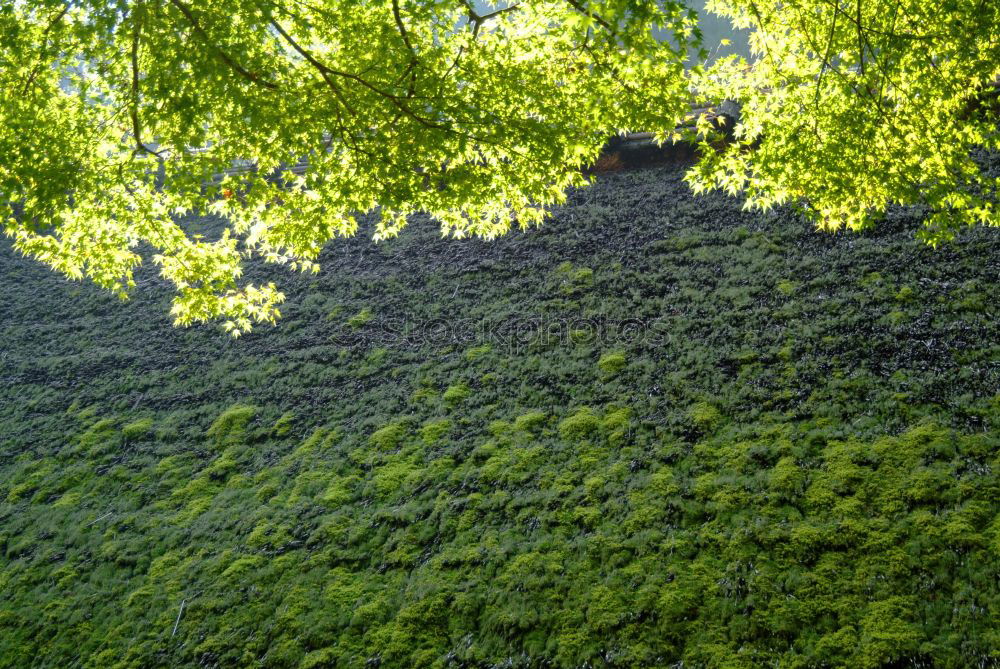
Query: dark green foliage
779	476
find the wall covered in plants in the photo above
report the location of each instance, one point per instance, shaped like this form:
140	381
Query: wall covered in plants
657	430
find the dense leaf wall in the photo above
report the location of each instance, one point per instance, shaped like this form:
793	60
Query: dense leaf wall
788	456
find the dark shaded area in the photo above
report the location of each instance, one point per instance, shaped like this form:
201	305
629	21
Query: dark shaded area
707	269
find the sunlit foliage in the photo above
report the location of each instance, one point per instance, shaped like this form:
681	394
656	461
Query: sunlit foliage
117	117
120	116
851	106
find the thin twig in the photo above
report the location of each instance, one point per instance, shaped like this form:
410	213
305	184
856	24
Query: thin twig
411	68
178	621
824	66
99	519
477	19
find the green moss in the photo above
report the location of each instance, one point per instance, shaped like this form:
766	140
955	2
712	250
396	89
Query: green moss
101	437
318	442
360	319
573	280
393	475
871	279
581	425
499	428
612	363
388	437
431	433
476	352
138	429
456	394
616	425
889	632
530	421
975	303
905	294
376	357
787	477
283	426
582	277
704	416
833	501
84	413
423	396
340	492
230	426
897	317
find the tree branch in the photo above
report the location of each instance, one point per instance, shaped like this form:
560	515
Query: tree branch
578	6
861	38
134	107
222	55
45	37
477	19
825	64
325	70
411	69
402	29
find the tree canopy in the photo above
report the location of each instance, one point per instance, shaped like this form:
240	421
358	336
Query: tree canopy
852	106
122	116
